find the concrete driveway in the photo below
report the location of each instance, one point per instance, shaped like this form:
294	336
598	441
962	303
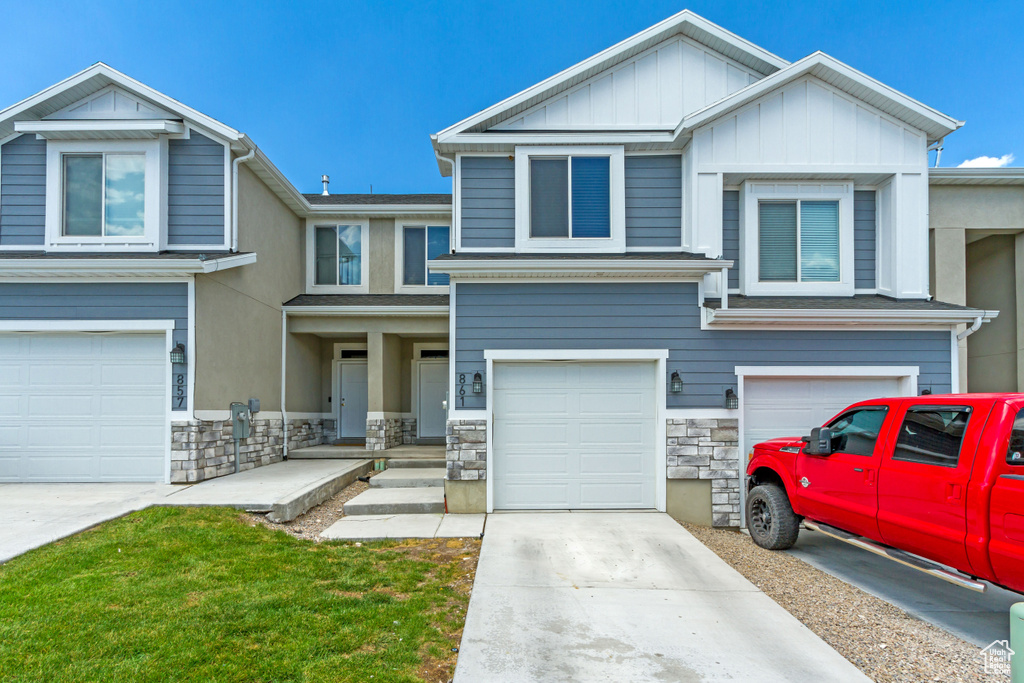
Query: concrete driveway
626	596
978	618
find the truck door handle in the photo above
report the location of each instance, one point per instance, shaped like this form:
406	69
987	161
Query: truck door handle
869	477
953	492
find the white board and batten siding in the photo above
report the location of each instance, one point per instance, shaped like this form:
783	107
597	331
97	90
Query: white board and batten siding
574	435
654	89
807	130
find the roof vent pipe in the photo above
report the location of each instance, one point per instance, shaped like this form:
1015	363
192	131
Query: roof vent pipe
326	180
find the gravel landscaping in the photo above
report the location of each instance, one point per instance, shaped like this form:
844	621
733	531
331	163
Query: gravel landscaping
883	641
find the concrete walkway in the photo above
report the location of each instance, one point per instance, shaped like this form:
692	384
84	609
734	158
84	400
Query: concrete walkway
625	597
978	618
32	515
379	527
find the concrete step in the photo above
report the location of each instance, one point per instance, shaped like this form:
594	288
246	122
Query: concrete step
408	477
377	527
397	501
418	463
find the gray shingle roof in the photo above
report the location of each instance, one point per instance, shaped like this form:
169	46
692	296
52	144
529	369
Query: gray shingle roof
369	300
375	199
631	256
860	302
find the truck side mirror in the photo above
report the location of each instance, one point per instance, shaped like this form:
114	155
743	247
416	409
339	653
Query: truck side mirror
819	442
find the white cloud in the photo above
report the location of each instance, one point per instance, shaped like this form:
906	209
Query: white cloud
988	162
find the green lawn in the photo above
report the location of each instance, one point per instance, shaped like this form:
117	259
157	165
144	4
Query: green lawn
201	594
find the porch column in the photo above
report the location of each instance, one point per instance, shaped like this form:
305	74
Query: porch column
383	391
951	281
1018	272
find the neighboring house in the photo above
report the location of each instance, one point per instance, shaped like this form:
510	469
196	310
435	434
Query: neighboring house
672	250
133	227
977	259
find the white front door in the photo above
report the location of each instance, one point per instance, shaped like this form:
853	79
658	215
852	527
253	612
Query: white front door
574	435
433	388
776	407
83	407
352	400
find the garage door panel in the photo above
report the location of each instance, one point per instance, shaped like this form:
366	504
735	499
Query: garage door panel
614	463
615	403
88	407
533	495
539	434
533	376
553	463
530	403
614	433
612	495
621	374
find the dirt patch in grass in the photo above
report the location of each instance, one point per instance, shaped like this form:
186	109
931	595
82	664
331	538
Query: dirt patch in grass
883	641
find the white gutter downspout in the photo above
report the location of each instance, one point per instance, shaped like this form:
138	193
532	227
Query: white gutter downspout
284	384
234	196
971	330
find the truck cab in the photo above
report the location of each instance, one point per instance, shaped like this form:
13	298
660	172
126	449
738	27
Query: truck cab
933	477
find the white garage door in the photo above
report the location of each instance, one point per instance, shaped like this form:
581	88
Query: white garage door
573	435
82	407
791	406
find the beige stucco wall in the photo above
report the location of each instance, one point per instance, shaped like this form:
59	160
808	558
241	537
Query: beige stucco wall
992	350
238	313
382	256
976	206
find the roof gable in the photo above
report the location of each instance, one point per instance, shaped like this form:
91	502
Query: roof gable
110	102
652	90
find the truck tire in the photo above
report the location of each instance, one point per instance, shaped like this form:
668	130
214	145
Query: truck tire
770	518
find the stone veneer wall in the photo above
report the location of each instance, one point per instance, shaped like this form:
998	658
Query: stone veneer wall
204	449
408	430
383	434
466	450
708	449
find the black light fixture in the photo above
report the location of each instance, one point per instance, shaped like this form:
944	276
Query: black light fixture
478	383
926	392
731	399
676	385
178	354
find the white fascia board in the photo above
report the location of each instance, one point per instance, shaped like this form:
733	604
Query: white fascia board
975	176
86	325
943	123
734	316
624	137
607	58
152	127
574	354
384	311
126	267
357	210
576	267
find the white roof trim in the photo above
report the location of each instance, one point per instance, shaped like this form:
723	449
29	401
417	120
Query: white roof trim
784	316
119	267
351	210
586	268
405	311
606	58
976	176
50	129
942	124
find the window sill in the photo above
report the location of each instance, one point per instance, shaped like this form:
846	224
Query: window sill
337	289
798	289
421	289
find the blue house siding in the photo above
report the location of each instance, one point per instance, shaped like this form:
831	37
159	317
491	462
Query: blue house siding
664	315
195	191
100	301
23	191
731	234
487	202
864	239
654	197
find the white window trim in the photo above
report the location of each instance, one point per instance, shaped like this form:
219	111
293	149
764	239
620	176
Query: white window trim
155	202
364	272
617	190
752	192
400	286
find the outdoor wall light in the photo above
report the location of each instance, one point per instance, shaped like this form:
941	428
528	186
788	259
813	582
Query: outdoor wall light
926	392
478	383
731	399
178	354
676	383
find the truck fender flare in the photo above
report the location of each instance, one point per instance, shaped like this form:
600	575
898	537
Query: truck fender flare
772	464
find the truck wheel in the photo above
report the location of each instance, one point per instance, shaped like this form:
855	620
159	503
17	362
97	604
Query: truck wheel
770	518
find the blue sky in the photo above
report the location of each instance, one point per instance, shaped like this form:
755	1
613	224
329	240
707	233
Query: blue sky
354	89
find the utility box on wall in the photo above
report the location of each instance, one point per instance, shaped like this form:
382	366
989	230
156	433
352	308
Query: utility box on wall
241	426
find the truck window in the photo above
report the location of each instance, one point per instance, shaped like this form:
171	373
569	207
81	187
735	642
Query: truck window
857	431
932	435
1015	454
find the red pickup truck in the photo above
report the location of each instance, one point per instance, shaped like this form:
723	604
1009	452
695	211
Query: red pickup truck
934	482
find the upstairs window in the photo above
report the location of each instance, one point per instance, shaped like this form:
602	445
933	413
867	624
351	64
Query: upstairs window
339	255
104	195
570	197
421	243
798	241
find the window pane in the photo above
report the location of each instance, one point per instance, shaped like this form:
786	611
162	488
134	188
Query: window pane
326	256
437	244
777	241
83	195
126	195
414	271
350	254
1015	454
932	436
591	199
856	432
819	241
549	197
